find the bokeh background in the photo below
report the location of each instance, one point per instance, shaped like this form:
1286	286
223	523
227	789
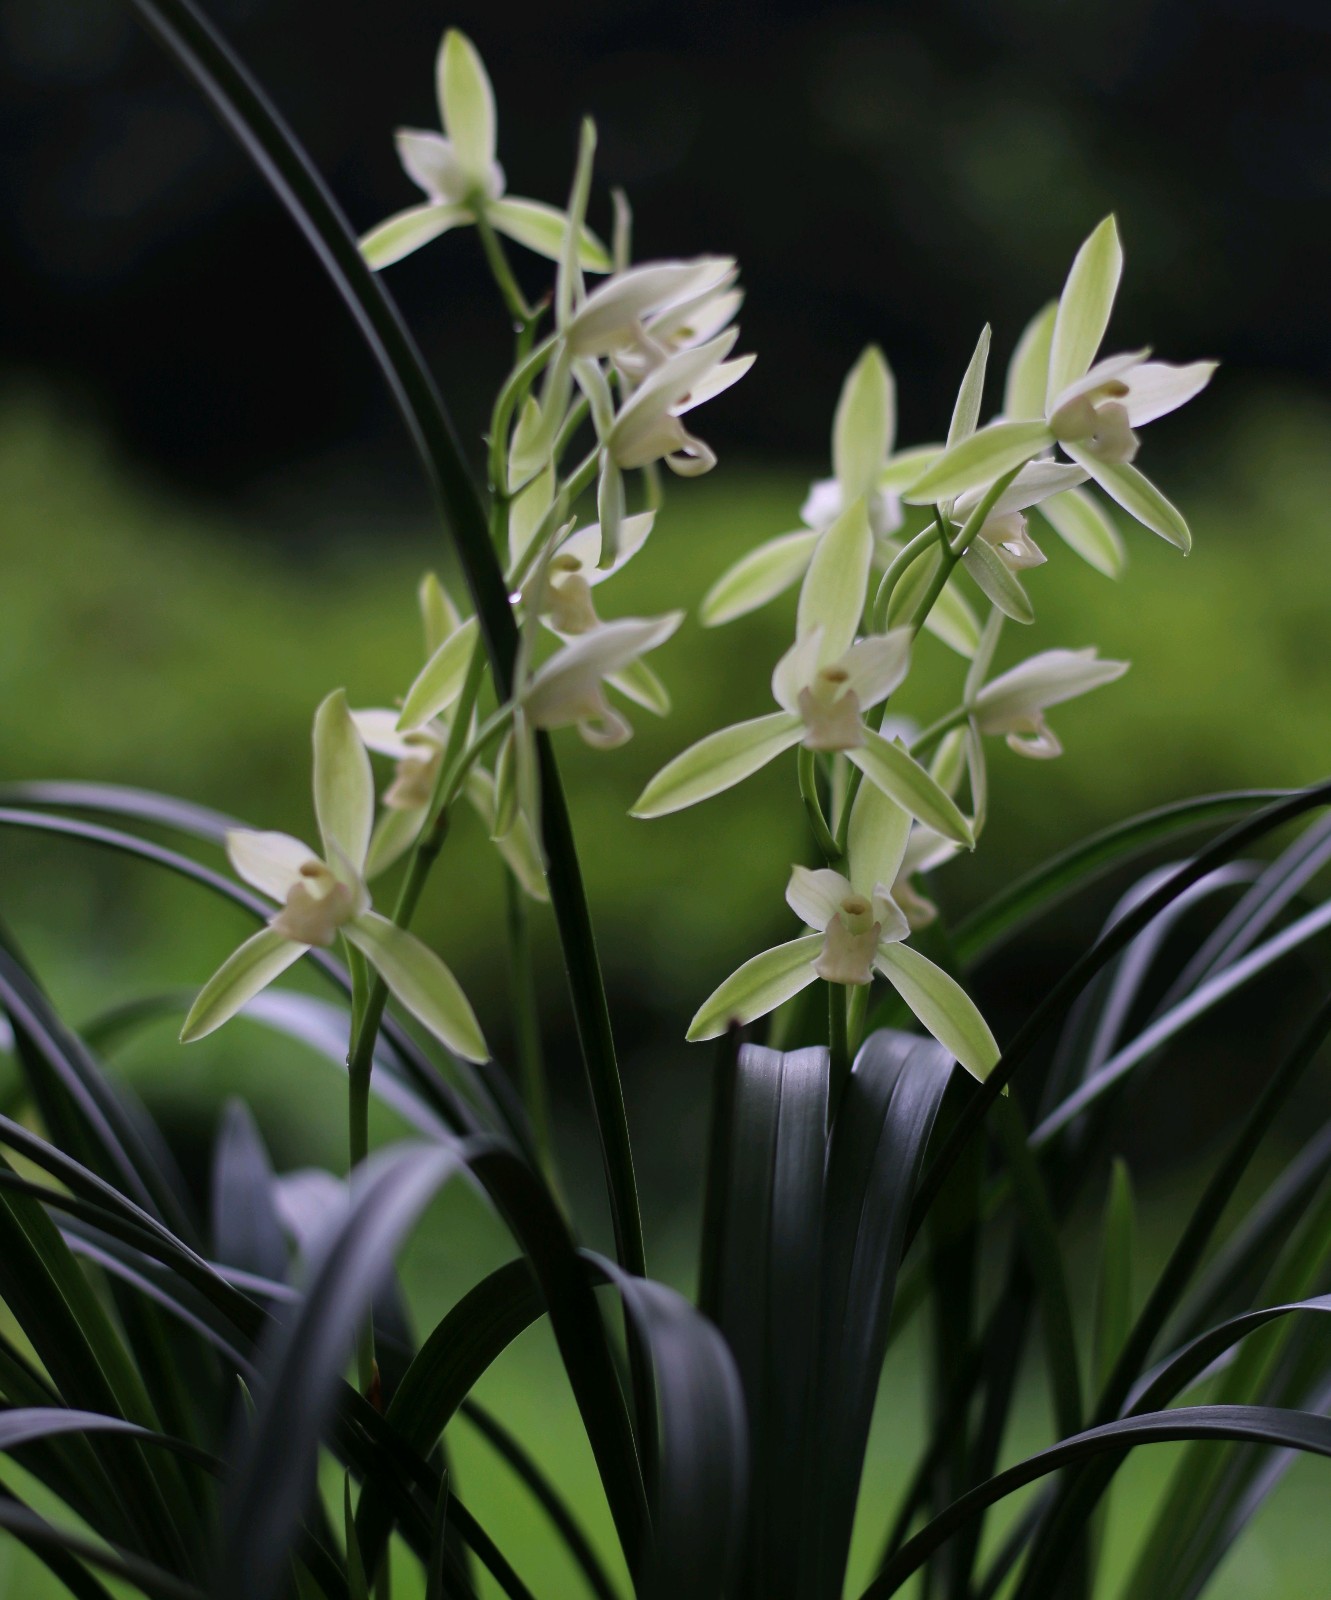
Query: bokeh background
211	514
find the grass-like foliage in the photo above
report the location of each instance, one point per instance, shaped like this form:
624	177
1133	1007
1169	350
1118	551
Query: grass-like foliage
236	1404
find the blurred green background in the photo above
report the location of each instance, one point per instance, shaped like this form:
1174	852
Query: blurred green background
210	518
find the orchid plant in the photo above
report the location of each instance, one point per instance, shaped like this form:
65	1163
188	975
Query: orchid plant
729	1432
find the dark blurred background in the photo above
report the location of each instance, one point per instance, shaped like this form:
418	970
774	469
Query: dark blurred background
905	170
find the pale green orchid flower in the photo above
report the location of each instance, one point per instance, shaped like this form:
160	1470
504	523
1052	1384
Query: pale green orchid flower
823	697
568	690
866	467
1058	393
461	178
1014	703
858	929
406	801
322	896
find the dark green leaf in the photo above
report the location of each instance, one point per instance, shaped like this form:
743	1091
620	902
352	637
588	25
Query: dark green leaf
1296	1430
878	1140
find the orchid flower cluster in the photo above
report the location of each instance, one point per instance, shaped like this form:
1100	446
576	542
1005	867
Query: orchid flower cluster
609	368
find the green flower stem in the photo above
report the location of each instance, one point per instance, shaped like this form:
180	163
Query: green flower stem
936	532
495	255
838	1045
576	417
531	1061
813	807
935	731
904	558
516	388
857	1011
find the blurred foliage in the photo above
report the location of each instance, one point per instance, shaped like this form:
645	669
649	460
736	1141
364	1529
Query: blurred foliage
142	641
901	169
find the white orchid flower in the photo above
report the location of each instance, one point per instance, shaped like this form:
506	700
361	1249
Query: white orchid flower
322	896
647	427
1058	393
406	801
1005	528
1014	703
925	850
823	685
561	591
858	928
461	178
655	307
569	689
865	468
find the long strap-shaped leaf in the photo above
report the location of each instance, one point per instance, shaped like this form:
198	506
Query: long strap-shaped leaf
246	113
124	1146
59	1545
423	1075
272	1462
882	1126
702	1471
1296	1430
1044	887
766	1300
1079	1494
1060	998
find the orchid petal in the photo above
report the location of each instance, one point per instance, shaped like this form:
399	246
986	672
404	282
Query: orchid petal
263	957
431	162
970	396
864	424
1155	388
394	834
875	666
378	732
903	779
1083	527
876	838
942	1005
979	460
420	982
637	682
1138	496
343	785
718	762
612	310
1028	371
440	680
758	577
517	844
832	597
1084	308
542	228
268	862
408	230
997	581
759	986
815	896
466	104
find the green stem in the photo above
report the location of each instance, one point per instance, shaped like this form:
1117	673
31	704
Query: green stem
857	1011
904	559
935	731
813	806
495	255
531	1061
516	388
838	1045
576	417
